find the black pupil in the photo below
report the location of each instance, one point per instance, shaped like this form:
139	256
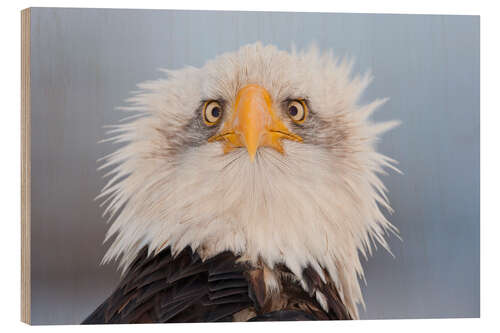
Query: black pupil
293	110
215	112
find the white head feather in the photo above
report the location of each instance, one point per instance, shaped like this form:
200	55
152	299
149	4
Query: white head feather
317	204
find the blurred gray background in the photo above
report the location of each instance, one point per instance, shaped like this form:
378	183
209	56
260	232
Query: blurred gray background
84	62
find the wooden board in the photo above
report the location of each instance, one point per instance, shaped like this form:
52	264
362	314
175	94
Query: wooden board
25	168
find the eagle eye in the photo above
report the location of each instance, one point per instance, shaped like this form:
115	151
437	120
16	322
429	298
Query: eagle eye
297	111
212	112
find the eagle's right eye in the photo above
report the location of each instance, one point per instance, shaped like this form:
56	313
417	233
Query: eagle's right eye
212	112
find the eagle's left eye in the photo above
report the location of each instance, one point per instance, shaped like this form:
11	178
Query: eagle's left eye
297	110
212	112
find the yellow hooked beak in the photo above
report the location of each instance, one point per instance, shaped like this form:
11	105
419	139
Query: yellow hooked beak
254	123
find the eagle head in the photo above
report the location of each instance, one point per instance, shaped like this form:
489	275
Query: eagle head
261	152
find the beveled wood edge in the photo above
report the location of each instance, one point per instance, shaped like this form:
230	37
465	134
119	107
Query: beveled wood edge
25	167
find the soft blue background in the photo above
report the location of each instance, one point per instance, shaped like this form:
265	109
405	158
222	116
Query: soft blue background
85	62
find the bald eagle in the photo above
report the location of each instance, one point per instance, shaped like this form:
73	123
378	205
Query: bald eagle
245	190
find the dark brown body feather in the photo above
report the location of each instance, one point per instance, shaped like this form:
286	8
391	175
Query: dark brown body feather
184	288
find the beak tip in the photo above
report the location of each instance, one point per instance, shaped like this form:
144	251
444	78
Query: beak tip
252	156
